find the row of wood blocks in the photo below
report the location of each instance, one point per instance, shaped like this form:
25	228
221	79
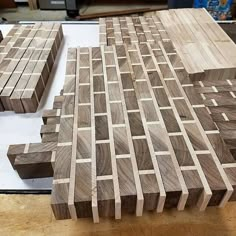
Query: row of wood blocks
201	43
128	134
27	55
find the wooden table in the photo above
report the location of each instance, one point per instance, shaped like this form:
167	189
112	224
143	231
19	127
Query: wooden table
32	215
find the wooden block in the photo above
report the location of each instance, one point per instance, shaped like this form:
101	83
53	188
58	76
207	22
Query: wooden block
58	201
195	186
34	165
171	184
32	160
230	171
214	179
83	188
181	151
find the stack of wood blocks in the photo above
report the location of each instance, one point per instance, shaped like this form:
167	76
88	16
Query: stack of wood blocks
128	134
27	55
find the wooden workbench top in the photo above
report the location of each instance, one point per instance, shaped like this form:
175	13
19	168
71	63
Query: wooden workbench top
32	215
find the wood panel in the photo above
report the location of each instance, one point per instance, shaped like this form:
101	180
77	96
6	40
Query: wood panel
119	149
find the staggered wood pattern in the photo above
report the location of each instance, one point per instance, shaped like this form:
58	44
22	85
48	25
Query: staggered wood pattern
128	134
27	55
206	50
219	97
128	30
201	43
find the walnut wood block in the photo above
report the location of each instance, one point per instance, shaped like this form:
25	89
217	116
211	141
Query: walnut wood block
124	147
34	165
28	157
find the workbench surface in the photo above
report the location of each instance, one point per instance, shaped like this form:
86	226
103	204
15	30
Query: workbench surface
32	215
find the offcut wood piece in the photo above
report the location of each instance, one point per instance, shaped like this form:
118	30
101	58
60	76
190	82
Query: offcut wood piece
38	160
206	50
131	139
26	67
32	160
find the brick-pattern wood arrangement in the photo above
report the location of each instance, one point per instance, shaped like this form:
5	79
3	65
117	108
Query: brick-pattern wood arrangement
27	55
128	134
204	46
128	30
205	49
219	97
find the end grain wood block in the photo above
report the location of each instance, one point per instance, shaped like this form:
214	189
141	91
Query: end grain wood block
118	151
33	160
27	65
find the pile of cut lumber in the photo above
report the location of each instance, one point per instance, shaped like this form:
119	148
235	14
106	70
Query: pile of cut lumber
27	55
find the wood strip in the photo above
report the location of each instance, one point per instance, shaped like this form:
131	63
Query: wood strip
153	162
140	198
112	143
